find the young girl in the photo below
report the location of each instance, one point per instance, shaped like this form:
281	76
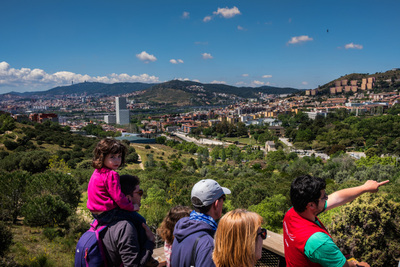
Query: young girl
105	199
166	228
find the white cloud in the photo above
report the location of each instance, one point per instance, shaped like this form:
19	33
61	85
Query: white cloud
218	82
240	83
304	83
182	79
258	83
267	76
223	12
227	12
144	56
174	61
207	18
207	56
185	15
240	28
37	79
245	75
353	46
300	39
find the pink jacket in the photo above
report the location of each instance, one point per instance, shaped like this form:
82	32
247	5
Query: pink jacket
104	192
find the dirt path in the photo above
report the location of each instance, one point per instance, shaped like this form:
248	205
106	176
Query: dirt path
141	163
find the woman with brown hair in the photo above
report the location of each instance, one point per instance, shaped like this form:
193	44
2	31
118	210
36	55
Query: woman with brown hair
238	239
166	228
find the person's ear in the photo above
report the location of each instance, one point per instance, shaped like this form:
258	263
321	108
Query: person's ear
311	205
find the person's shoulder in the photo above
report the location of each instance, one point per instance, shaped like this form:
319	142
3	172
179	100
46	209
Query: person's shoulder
123	225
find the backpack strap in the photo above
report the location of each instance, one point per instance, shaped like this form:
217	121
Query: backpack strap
98	229
194	250
100	243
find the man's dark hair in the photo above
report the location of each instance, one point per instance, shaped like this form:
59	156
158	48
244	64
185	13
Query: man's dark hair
198	206
128	184
306	189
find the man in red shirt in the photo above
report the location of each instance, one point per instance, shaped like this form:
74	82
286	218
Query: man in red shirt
306	240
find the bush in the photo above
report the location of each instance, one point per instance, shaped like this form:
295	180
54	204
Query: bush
369	229
5	239
51	233
10	145
12	196
46	210
132	157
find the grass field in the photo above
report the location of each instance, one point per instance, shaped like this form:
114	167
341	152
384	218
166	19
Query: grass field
31	248
244	141
160	153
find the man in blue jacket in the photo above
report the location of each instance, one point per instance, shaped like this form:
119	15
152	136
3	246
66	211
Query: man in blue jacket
194	236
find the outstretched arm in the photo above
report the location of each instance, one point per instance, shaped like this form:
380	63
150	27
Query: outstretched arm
354	264
343	196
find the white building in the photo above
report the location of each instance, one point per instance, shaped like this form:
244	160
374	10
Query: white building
122	113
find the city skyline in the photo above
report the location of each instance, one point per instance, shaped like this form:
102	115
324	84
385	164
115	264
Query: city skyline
45	44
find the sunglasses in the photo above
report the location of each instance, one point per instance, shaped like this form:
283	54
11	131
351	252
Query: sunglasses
325	197
140	192
263	233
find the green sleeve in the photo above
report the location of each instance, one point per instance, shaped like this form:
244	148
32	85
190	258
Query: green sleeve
321	249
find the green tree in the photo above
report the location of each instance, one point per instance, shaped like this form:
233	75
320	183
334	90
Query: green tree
12	186
154	206
369	230
53	195
5	239
272	209
7	123
161	140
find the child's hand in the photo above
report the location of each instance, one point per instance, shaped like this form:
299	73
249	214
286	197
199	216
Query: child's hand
136	207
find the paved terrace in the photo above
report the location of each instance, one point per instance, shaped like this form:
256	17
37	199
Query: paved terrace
272	253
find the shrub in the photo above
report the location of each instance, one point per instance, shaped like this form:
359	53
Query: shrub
46	210
10	145
5	239
51	233
369	229
132	157
12	197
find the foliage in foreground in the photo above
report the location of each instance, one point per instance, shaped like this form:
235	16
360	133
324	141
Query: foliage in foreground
369	229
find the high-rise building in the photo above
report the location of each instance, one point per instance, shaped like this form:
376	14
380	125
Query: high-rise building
122	113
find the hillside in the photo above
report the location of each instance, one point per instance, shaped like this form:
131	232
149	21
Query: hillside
88	88
180	93
384	81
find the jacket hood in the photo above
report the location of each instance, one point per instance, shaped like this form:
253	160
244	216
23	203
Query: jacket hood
185	227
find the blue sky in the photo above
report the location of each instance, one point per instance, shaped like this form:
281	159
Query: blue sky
300	44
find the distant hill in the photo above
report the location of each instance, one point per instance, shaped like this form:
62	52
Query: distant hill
181	93
90	88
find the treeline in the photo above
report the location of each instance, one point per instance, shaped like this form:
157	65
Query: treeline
341	130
